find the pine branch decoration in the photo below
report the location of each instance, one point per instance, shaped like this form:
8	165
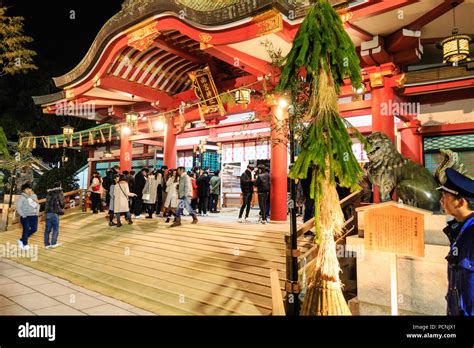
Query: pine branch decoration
322	42
324	50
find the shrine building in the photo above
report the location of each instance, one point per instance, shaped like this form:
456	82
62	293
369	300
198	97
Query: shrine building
157	65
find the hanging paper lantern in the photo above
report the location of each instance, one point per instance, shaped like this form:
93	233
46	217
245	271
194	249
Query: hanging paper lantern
456	48
68	130
242	96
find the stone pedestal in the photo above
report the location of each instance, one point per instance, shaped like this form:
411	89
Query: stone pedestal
422	281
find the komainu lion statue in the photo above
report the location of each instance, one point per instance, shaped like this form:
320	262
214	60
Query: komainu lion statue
393	173
450	160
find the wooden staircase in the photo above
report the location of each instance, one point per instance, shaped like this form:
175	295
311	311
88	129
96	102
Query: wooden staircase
212	268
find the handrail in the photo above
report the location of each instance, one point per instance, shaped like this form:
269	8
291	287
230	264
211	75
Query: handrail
278	307
311	253
308	225
67	194
79	192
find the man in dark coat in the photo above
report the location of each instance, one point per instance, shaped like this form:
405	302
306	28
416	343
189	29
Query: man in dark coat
108	180
458	201
161	177
203	188
140	181
308	202
263	189
246	185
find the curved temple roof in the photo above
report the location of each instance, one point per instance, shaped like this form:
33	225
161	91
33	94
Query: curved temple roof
208	14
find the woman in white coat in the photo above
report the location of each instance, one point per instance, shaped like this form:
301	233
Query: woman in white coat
111	201
150	193
120	195
171	202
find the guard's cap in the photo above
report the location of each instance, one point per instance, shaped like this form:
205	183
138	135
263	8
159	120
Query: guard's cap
458	184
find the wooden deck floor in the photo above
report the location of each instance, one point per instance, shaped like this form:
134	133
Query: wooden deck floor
212	268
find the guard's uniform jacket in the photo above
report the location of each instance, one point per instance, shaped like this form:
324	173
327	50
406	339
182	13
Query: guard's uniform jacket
460	297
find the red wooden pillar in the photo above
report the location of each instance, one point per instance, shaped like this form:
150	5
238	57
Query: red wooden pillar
125	152
412	142
383	101
170	152
279	165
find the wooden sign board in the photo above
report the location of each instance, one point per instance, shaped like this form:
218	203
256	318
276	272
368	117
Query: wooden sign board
395	228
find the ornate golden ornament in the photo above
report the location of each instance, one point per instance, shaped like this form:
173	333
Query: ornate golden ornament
141	39
376	78
69	93
401	81
206	91
346	16
204	39
268	22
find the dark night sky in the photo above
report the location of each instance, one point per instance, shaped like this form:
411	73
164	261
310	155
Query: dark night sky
62	42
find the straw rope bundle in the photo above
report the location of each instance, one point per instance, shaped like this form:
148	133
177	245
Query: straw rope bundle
326	52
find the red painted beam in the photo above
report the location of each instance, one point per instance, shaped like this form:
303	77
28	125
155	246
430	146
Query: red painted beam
359	32
358	105
166	46
410	56
458	94
240	33
288	32
147	136
116	111
451	128
149	142
402	39
139	90
248	63
439	87
354	113
224	128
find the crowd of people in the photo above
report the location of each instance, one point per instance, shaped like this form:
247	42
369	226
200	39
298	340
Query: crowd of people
260	179
164	193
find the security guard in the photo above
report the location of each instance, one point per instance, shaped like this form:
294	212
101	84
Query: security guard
458	200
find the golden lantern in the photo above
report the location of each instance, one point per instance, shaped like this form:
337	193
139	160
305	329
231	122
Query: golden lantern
456	46
242	96
68	130
131	117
